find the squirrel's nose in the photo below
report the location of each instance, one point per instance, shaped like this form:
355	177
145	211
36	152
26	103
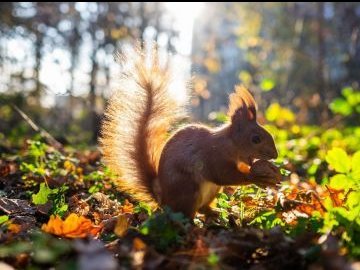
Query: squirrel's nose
274	153
271	154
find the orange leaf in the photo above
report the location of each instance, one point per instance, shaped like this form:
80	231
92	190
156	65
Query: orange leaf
138	244
337	196
128	207
14	228
73	226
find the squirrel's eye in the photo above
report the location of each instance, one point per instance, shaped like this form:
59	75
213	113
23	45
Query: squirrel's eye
256	139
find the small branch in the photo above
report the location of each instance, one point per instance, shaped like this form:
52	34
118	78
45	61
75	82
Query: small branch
43	133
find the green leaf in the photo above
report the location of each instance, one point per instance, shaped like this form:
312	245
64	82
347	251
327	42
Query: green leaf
339	160
61	210
267	84
285	172
213	259
94	189
353	200
42	196
3	219
355	165
340	106
340	181
143	208
347	91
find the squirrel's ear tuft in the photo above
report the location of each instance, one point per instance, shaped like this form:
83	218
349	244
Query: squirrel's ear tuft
242	105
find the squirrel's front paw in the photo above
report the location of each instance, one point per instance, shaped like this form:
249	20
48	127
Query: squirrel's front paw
265	174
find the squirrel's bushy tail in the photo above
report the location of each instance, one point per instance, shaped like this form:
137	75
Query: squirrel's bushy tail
137	119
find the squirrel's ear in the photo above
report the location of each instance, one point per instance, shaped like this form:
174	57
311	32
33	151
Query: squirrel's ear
242	105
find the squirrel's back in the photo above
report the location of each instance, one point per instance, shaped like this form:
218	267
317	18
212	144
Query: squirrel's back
137	119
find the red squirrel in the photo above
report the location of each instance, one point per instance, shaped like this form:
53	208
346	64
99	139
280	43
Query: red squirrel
186	169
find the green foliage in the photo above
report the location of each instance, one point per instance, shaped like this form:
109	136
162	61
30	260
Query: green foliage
339	160
223	205
3	219
213	259
267	220
55	195
345	218
36	159
267	85
59	205
42	161
143	208
280	115
98	179
347	167
340	106
348	104
42	196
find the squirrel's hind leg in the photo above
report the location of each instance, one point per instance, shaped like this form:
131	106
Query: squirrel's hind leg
180	194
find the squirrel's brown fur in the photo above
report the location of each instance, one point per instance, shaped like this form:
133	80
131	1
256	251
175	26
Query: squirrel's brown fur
186	170
136	121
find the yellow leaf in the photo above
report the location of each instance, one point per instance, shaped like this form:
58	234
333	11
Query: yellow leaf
121	226
69	166
212	64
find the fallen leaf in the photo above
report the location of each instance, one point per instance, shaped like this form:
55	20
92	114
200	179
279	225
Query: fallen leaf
69	166
73	226
336	195
127	207
121	226
14	228
138	244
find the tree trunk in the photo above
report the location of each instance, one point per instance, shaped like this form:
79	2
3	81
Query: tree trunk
143	24
72	79
321	65
38	47
94	121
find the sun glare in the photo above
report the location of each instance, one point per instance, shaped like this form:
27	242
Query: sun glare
184	14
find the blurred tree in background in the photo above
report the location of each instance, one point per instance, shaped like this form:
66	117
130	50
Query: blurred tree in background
57	59
298	54
75	37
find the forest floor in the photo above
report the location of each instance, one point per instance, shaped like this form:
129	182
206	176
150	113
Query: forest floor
60	208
